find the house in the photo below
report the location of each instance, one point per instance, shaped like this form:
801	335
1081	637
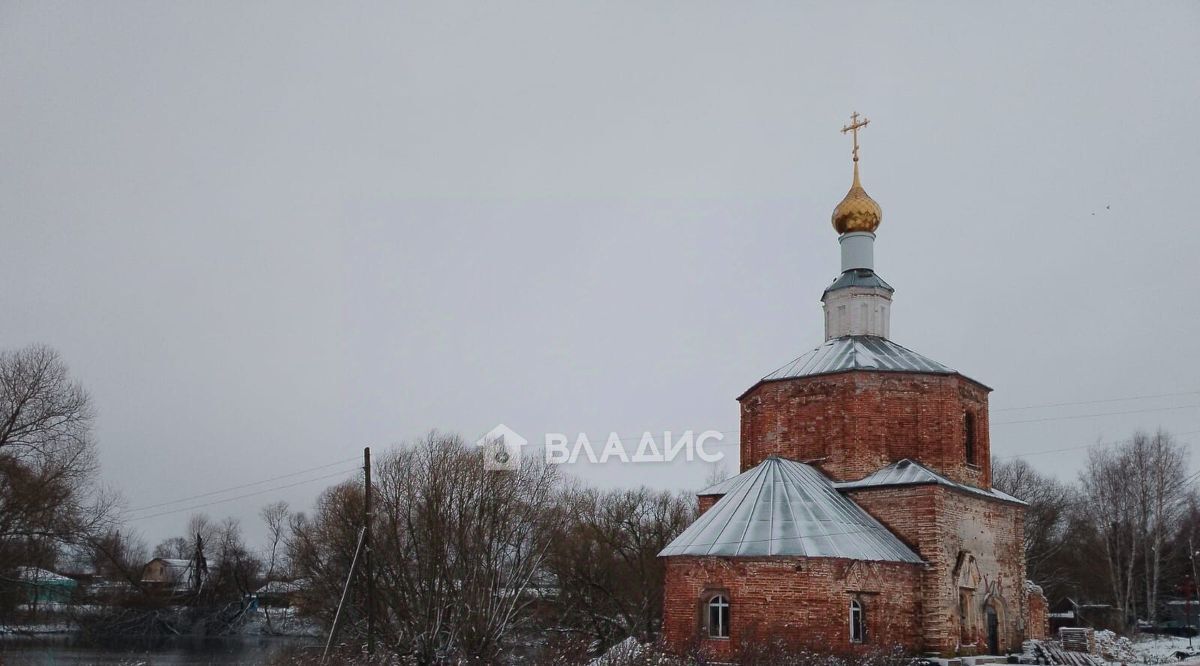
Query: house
176	575
41	586
864	515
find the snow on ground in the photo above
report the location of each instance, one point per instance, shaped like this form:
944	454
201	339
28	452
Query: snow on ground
279	622
61	628
1163	649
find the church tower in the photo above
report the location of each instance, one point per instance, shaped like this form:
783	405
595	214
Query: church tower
860	401
859	302
864	516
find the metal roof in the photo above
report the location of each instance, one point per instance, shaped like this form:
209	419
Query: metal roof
858	352
911	473
858	277
782	507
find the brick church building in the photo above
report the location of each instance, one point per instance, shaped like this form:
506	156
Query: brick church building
864	515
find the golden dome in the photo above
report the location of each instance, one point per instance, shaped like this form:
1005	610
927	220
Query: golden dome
857	212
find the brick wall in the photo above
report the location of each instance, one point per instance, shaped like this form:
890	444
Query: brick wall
802	601
1039	612
853	423
705	502
975	550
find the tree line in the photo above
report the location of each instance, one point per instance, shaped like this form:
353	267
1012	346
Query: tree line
1124	532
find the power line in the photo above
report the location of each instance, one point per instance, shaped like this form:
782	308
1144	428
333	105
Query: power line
1089	416
1080	447
1096	402
244	485
238	497
1068	448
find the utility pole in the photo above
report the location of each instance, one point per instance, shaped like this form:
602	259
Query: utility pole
367	516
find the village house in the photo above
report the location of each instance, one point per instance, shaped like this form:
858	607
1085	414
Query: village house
175	575
41	586
864	515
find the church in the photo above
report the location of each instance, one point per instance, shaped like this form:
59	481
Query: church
864	515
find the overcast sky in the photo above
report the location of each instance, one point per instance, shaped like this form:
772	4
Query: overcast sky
264	235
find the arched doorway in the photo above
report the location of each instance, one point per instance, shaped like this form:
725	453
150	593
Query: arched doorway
994	625
993	630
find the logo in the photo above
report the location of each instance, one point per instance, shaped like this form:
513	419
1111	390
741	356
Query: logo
502	449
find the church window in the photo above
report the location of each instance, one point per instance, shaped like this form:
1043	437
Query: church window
858	622
969	437
717	617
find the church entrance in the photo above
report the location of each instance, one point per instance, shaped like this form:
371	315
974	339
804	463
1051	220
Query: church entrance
993	631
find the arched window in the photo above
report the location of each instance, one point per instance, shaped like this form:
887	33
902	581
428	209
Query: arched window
969	437
718	617
858	622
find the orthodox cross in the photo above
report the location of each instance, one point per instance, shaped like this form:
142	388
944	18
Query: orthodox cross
853	127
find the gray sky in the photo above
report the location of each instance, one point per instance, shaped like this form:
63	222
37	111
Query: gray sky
265	235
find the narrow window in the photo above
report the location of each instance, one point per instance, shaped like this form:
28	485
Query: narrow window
864	327
969	436
718	617
858	625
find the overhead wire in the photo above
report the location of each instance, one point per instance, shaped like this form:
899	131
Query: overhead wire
147	507
244	496
1089	416
1094	402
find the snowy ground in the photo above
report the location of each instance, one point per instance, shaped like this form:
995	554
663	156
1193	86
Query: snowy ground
264	621
26	629
1165	649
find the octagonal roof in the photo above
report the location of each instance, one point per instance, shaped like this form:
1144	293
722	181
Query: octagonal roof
783	507
859	352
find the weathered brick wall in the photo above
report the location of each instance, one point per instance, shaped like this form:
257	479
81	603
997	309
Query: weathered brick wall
705	502
1039	612
802	601
853	423
975	550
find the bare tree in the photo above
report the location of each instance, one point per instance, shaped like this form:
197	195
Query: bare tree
176	548
321	549
458	549
119	555
605	560
1105	493
49	498
1046	518
275	515
1136	494
1160	465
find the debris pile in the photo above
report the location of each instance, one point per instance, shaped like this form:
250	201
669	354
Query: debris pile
1115	648
1052	654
